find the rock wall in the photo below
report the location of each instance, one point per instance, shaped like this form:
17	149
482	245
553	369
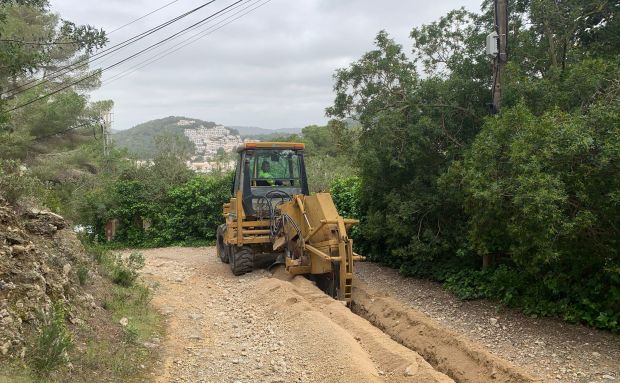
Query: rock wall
39	260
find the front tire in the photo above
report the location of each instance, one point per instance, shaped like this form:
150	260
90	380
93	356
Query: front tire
242	260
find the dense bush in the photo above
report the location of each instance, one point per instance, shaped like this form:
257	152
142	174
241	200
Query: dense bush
17	182
124	271
194	210
346	195
543	191
188	212
534	190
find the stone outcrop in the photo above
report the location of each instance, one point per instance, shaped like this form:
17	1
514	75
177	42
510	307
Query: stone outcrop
39	260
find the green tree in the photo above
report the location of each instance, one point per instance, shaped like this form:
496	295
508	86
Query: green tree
37	43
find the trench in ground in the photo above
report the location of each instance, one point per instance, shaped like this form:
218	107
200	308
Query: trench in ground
447	352
461	359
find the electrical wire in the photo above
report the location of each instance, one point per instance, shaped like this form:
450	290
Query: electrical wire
121	61
75	42
142	17
97	56
184	43
161	55
38	43
89	123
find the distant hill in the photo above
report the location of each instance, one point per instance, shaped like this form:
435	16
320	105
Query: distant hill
262	133
140	140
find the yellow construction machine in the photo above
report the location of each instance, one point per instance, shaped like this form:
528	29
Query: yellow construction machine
272	219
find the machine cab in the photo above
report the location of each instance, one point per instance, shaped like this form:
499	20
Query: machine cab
268	170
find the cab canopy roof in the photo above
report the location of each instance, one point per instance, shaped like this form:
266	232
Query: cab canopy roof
271	145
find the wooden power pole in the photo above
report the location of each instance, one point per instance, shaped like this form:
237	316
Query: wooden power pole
496	48
501	28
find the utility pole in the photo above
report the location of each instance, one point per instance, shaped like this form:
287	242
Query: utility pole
497	43
501	30
106	132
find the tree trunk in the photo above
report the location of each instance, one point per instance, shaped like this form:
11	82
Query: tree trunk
488	261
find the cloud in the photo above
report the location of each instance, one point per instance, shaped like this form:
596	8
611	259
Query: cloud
272	68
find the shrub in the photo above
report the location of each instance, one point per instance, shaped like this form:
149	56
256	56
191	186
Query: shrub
17	182
125	270
82	273
193	210
50	350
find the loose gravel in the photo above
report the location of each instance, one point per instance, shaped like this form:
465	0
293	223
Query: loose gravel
265	328
547	348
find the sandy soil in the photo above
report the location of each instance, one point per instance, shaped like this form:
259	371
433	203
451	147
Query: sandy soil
547	348
265	328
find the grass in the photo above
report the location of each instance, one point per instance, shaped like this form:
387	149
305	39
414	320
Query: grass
100	349
52	344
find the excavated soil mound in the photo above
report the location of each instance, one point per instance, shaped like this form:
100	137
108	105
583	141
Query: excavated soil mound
448	352
329	328
266	328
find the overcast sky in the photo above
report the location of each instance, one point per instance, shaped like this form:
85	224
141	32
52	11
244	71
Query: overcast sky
271	68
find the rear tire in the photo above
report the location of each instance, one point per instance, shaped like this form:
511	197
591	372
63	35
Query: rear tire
242	260
221	248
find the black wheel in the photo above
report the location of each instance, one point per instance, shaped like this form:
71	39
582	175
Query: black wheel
221	248
241	260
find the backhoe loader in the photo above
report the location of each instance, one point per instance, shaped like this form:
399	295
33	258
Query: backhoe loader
272	219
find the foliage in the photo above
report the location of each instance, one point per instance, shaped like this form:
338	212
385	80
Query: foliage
346	193
195	209
543	190
17	182
443	184
188	212
29	130
406	148
125	270
53	342
120	358
82	273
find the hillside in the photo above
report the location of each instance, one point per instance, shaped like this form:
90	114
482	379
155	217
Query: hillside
140	140
256	132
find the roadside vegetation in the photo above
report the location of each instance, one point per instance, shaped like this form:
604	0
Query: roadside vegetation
50	157
534	191
116	342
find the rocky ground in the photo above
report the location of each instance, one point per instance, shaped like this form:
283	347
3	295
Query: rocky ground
39	262
264	328
548	348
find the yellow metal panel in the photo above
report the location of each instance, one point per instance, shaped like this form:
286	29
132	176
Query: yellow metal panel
270	145
256	240
239	212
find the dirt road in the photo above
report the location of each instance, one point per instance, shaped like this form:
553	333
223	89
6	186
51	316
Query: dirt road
260	328
266	327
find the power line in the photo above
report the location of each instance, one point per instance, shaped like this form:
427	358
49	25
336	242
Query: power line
89	60
38	43
185	42
218	16
76	42
63	131
123	60
142	17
